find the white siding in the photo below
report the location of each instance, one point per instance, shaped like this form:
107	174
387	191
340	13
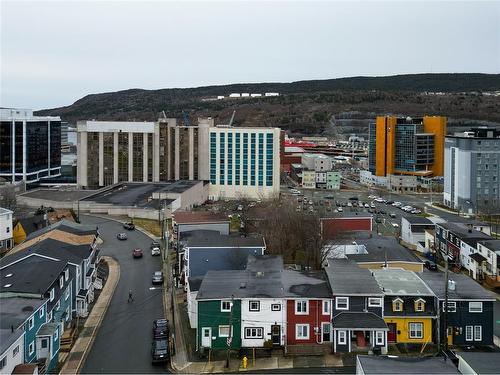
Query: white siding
13	361
264	318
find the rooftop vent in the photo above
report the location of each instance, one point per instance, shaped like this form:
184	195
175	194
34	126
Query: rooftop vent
259	274
243	285
8	275
7	285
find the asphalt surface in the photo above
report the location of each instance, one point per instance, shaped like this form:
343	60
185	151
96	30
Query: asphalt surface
123	342
309	370
496	320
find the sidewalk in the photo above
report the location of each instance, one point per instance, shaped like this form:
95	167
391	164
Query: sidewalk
81	348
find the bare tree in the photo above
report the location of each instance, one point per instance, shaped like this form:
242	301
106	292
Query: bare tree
8	197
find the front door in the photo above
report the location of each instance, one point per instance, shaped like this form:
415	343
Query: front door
276	334
392	334
326	332
43	347
206	337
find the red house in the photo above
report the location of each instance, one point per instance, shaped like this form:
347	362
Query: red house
332	226
308	308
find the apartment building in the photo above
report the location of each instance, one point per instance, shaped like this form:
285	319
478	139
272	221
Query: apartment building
407	146
30	145
472	171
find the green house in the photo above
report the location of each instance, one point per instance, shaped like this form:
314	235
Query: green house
214	320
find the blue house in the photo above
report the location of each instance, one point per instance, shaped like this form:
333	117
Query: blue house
470	309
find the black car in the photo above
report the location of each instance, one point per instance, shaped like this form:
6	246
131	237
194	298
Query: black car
160	351
154	244
160	329
430	265
389	202
157	278
129	226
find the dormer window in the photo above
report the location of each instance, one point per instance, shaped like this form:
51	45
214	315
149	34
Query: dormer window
397	304
419	305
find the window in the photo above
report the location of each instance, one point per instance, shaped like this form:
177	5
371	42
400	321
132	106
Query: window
326	307
478	333
342	303
225	306
3	362
475	307
374	302
224	331
397	304
31	323
452	306
41	312
66	274
301	307
52	294
254	306
468	333
302	331
254	333
419	305
44	343
56	334
61	282
416	330
342	337
379	338
275	307
31	348
66	294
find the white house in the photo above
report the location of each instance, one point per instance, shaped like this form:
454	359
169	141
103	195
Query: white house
12	349
6	242
258	318
413	230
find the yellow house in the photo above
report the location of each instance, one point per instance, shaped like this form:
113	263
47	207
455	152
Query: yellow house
409	306
26	226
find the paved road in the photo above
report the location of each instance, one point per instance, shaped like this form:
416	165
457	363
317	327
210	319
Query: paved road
309	370
123	342
496	321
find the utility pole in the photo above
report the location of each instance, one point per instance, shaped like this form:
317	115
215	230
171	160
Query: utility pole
230	337
445	320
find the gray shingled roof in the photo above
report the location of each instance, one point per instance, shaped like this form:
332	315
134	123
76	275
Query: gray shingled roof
418	220
426	365
379	248
466	288
347	278
210	238
65	226
482	363
358	320
493	245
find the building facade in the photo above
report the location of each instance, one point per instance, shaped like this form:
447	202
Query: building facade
408	146
244	162
31	146
6	241
472	171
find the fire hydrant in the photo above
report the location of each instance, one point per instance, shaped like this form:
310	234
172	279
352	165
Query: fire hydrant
245	361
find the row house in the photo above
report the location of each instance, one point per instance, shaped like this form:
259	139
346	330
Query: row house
357	308
470	309
487	263
410	306
459	241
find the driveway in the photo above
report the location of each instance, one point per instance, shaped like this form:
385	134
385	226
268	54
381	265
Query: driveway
123	342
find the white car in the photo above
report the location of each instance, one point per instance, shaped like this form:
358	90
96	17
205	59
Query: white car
367	205
240	207
349	204
397	204
372	196
340	209
155	251
395	225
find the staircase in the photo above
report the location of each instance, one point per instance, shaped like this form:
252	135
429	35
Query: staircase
67	339
42	365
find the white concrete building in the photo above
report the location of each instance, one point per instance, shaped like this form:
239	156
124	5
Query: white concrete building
6	241
30	145
258	316
317	162
244	162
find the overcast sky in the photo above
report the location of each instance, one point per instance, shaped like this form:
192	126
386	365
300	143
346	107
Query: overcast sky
53	53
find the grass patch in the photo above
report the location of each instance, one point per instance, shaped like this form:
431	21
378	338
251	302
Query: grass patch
423	214
151	226
234	224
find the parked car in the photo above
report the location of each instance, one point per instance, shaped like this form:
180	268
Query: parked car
129	226
389	202
155	251
154	244
395	225
160	328
393	215
430	265
378	220
137	253
340	209
240	207
367	205
159	351
121	236
157	278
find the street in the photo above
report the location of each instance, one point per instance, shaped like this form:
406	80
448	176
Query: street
496	318
123	342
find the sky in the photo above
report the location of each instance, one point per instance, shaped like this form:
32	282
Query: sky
54	53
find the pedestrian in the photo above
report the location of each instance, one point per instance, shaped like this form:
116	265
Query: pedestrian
130	298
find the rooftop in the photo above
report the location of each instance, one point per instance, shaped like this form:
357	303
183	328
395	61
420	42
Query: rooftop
423	365
465	287
380	248
65	226
15	310
4	211
33	275
47	329
482	363
465	232
418	220
209	238
196	217
58	195
358	320
493	245
398	282
347	278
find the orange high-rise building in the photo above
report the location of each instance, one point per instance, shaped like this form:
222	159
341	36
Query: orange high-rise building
407	146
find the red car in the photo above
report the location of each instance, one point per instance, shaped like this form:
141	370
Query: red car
137	253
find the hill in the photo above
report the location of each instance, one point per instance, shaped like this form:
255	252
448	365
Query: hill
303	106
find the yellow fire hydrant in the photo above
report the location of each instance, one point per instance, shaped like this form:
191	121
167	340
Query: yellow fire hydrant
245	361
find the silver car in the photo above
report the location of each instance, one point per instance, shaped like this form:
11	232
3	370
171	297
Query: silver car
121	236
